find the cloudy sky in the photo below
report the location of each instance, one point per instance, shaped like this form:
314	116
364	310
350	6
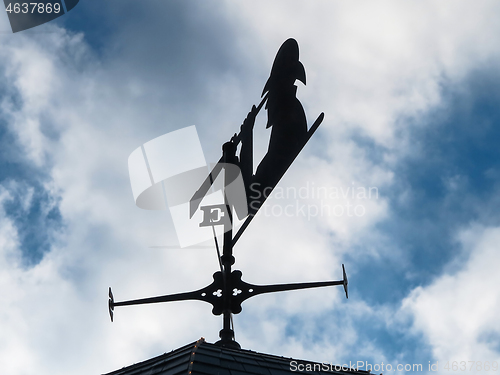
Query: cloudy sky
410	92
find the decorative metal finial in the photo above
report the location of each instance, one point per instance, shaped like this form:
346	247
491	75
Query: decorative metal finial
289	135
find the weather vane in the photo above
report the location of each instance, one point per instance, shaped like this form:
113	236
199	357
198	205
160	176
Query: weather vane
289	135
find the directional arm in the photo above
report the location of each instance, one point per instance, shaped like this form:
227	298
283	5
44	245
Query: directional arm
211	294
241	290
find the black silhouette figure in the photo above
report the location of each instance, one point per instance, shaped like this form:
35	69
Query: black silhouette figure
286	116
288	136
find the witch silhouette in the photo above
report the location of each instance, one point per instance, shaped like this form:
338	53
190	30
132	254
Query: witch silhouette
289	134
286	117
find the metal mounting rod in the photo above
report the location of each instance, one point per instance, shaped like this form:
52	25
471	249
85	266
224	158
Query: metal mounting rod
227	334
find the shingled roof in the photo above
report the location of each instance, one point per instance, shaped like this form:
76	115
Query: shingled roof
201	357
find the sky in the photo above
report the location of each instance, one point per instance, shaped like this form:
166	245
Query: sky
410	92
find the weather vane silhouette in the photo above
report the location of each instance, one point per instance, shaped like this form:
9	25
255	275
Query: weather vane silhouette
289	135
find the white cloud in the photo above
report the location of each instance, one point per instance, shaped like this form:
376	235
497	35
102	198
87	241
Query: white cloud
458	312
371	63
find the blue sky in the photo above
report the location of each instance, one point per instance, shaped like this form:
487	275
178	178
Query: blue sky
410	95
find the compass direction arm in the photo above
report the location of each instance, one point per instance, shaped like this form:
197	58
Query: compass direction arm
253	290
241	290
196	295
345	282
293	286
212	294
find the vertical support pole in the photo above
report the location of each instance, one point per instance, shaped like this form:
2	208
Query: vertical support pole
227	334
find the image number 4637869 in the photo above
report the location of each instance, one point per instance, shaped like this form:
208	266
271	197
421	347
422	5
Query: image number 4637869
25	15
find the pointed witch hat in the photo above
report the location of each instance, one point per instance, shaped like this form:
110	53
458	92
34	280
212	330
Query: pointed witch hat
286	68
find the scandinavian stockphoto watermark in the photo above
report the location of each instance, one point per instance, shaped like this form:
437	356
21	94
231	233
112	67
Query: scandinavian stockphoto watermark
311	200
167	172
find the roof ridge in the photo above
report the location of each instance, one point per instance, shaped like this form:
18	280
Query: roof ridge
191	358
201	357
